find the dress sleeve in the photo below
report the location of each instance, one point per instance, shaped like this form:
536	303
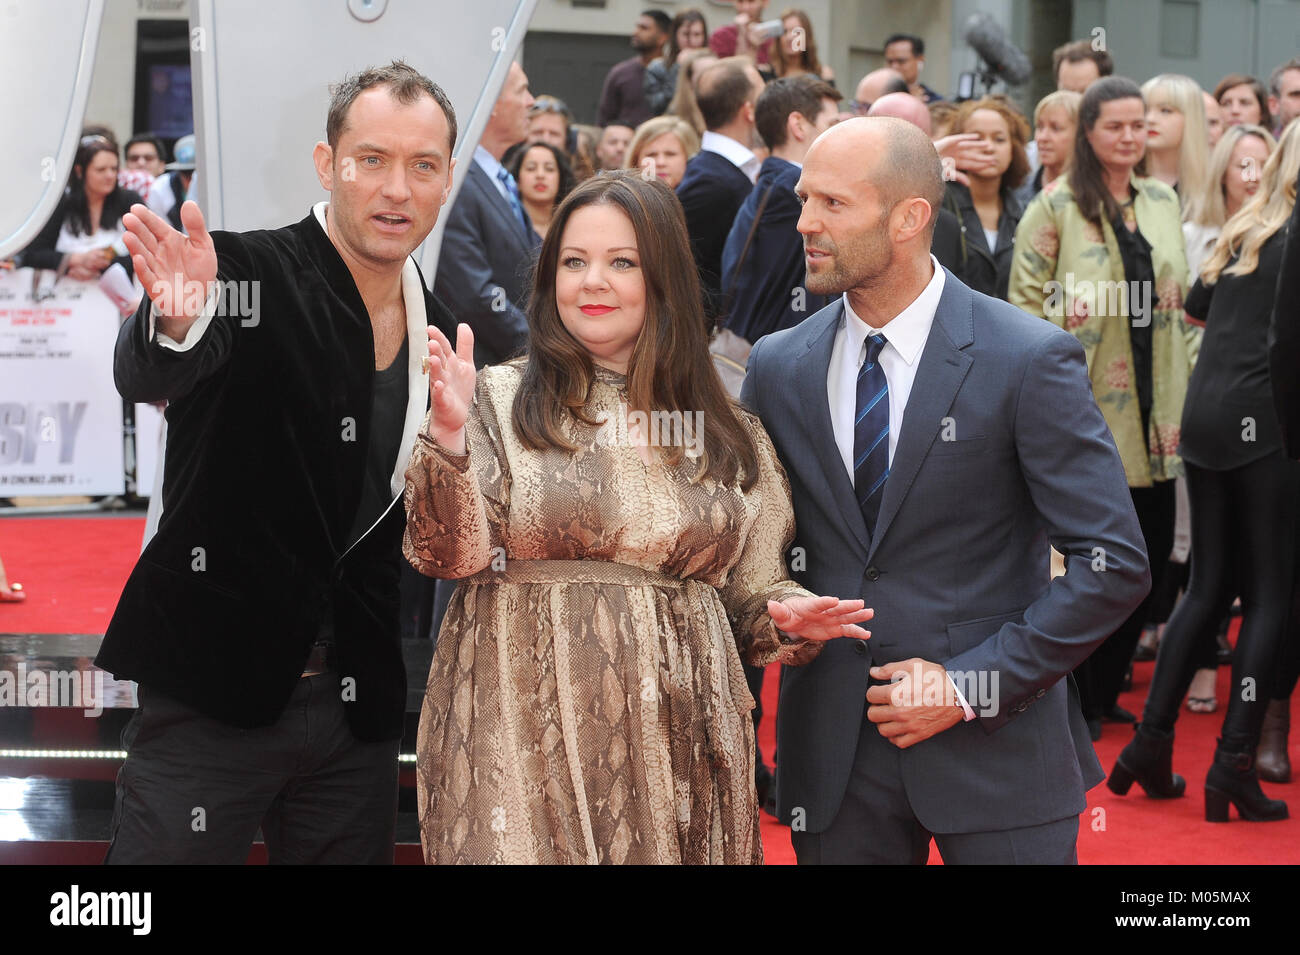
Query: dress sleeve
457	504
760	575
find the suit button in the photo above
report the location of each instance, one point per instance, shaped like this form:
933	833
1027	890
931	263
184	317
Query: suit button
860	648
873	573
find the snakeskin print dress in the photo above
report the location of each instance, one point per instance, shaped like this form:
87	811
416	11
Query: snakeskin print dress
586	702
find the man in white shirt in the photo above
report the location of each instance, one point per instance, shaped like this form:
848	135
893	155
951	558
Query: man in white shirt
935	440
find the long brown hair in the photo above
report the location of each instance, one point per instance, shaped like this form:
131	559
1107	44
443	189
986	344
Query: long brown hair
670	369
805	59
1086	177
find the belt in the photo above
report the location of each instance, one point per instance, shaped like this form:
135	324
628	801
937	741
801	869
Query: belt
578	571
319	660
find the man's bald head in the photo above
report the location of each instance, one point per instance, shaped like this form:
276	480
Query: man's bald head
870	188
876	84
903	106
725	88
901	162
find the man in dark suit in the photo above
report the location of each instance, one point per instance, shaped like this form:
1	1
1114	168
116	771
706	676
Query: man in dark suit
721	175
764	291
936	440
489	244
261	620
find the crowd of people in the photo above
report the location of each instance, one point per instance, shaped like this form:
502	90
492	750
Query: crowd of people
662	261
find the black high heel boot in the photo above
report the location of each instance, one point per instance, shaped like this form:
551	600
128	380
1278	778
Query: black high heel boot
1232	779
1148	759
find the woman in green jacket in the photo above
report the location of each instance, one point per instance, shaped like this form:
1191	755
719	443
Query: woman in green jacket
1100	253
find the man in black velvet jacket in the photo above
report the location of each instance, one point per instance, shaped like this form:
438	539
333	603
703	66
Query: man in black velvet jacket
261	621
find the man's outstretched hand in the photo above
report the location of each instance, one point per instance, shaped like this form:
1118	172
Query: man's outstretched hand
176	270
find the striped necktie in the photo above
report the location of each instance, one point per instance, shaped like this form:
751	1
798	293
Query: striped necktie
871	433
512	191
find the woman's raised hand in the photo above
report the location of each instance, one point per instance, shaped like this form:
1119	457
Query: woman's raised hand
451	386
820	618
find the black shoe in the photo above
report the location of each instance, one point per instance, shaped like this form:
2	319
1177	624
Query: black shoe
1094	729
1232	779
1148	760
1117	714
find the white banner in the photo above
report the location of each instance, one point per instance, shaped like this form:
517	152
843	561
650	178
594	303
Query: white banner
60	415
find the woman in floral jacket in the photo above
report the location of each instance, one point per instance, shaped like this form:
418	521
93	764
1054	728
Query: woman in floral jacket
1100	253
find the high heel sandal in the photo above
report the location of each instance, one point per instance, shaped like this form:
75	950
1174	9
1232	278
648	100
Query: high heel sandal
14	594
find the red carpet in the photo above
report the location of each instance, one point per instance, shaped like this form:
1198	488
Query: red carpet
74	569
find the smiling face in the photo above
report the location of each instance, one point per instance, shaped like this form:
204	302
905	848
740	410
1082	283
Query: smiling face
1118	137
991	127
1239	105
668	156
1241	180
539	176
600	290
1054	136
1164	126
388	178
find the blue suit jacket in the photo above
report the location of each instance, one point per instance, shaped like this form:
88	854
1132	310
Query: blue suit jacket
1002	449
483	268
768	292
711	192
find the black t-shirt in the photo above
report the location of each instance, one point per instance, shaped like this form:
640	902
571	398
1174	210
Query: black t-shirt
387	420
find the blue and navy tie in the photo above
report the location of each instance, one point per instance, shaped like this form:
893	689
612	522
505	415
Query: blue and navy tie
512	190
871	433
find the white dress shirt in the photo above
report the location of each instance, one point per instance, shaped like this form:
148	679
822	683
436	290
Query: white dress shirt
906	335
492	166
732	151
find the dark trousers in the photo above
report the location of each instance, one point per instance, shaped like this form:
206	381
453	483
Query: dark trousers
195	790
1100	676
875	824
1243	519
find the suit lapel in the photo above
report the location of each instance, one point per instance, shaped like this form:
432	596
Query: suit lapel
497	201
810	385
942	370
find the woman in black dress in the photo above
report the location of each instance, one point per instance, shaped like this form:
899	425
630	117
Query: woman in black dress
1244	492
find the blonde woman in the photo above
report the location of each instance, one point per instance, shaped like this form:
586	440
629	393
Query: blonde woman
1233	177
1177	140
1055	117
661	147
1244	496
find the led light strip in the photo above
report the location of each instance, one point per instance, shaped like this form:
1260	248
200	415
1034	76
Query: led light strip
103	754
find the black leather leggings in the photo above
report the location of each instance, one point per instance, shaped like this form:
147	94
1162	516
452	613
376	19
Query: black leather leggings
1243	543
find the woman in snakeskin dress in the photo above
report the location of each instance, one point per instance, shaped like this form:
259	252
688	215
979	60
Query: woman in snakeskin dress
619	528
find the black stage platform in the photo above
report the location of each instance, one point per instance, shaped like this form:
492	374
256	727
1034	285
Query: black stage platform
61	721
